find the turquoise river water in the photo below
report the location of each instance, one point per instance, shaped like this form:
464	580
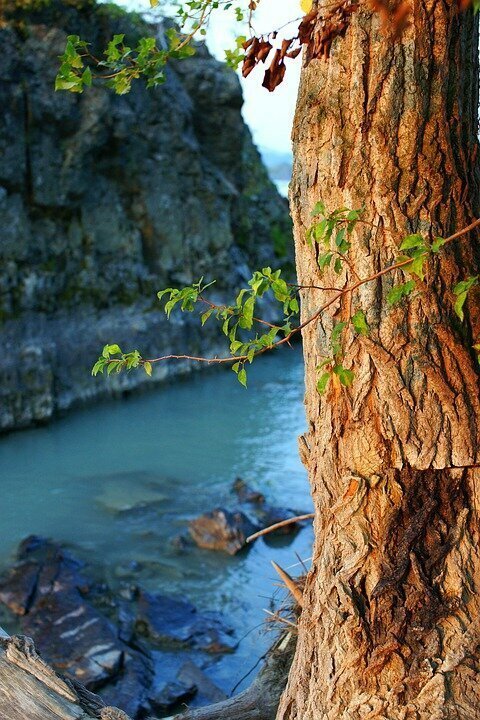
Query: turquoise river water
116	482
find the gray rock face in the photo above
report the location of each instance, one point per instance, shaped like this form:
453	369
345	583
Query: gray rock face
106	199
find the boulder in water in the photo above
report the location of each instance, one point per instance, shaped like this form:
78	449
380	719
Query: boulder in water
222	530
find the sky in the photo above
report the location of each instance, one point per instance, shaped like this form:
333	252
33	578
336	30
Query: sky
269	115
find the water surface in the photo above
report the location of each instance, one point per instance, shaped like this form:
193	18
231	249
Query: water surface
119	480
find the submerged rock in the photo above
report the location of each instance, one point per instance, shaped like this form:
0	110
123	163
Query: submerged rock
130	688
129	491
107	640
169	694
222	530
168	621
207	691
17	589
271	515
247	494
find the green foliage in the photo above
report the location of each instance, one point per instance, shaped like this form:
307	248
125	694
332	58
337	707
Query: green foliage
236	56
417	251
121	64
359	323
73	75
113	359
332	231
248	335
187	297
398	292
461	291
237	321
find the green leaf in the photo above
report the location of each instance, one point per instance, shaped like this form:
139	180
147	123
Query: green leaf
206	315
294	306
242	377
338	266
398	292
87	77
412	241
465	285
318	209
353	215
340	237
461	290
246	320
319	230
359	323
459	303
345	376
99	366
322	382
324	260
416	266
147	366
437	244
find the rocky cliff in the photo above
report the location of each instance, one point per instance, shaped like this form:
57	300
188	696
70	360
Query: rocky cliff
105	199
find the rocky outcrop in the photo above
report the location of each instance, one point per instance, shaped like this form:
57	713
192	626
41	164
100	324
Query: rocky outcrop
105	199
135	651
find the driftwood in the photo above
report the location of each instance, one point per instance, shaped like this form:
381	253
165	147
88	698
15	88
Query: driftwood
31	690
260	700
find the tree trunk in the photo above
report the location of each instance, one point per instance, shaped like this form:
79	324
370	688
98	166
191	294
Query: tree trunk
391	625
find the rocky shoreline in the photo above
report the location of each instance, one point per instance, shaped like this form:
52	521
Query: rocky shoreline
142	651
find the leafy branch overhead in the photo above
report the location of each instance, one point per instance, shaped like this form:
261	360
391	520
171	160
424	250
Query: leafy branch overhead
249	336
119	64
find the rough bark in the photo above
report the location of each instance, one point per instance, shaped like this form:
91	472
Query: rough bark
391	625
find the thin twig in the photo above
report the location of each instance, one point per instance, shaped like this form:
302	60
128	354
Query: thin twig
301	562
340	293
279	618
290	583
276	526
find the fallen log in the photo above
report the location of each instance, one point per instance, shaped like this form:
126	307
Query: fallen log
31	690
260	700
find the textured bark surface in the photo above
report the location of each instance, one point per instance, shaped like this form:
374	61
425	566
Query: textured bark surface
391	625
